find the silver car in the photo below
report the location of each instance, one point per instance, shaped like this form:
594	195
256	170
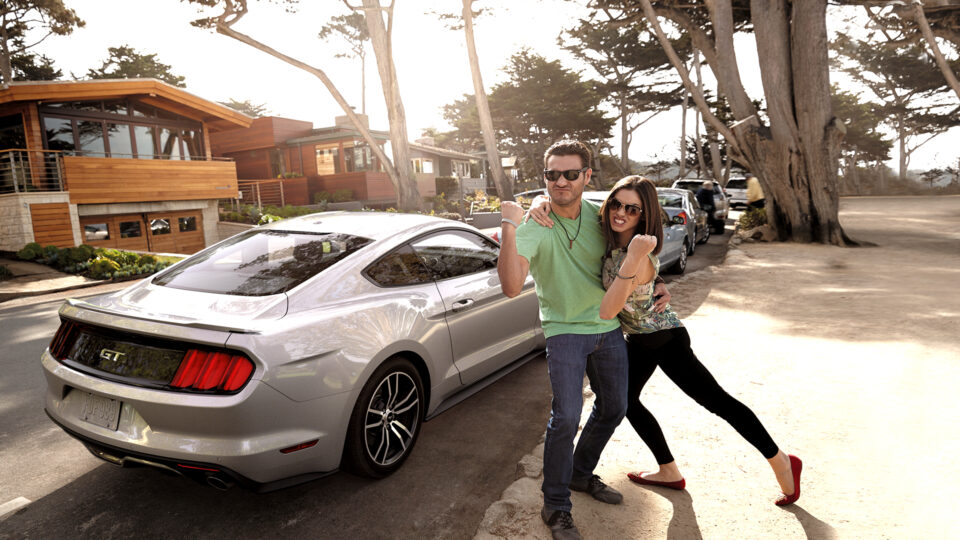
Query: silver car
681	205
673	254
291	350
721	203
737	190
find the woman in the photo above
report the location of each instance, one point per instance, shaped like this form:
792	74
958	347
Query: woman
630	219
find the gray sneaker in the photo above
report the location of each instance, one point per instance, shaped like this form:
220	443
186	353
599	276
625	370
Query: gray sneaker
600	491
561	524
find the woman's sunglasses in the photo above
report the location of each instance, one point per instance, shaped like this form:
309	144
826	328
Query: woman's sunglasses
570	175
632	210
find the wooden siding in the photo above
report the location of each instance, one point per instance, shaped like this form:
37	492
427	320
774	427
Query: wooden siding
113	180
51	224
251	164
266	132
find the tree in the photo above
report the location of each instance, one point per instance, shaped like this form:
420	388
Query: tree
795	154
254	110
126	63
540	103
635	70
351	28
17	17
400	170
464	21
863	142
910	89
30	67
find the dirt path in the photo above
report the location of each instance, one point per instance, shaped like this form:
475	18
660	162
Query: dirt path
850	359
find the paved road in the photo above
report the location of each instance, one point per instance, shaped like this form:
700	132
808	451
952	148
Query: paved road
463	460
710	253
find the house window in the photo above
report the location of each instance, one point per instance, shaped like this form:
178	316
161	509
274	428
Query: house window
146	137
95	232
120	143
130	229
422	165
169	143
191	144
461	169
188	224
160	226
357	157
328	160
59	133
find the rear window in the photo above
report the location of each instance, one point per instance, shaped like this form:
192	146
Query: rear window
672	200
261	262
692	186
737	183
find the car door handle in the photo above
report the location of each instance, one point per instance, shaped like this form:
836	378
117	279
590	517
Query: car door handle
461	305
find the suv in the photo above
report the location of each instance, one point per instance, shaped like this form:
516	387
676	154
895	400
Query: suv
737	190
721	204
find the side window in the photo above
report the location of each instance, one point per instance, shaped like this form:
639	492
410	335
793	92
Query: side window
402	267
456	253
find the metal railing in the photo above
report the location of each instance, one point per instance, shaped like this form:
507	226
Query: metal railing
29	171
262	192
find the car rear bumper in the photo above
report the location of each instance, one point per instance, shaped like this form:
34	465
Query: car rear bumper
240	435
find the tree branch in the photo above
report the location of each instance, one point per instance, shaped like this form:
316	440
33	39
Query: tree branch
932	42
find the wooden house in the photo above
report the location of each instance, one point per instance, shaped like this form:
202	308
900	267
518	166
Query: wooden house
121	163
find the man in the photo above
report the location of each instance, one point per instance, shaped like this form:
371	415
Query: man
565	261
755	198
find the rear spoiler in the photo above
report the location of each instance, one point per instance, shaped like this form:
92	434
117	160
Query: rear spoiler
80	304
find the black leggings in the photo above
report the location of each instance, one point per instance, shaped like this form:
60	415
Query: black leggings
670	349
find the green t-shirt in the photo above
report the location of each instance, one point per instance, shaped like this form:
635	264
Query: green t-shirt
568	280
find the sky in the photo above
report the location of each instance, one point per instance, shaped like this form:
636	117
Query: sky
431	61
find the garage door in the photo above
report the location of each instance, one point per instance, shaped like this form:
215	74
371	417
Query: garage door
159	232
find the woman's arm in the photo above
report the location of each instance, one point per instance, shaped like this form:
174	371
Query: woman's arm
635	269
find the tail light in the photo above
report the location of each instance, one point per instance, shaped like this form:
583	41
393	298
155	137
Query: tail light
683	215
62	340
219	371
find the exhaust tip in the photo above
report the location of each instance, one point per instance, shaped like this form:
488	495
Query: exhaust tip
219	481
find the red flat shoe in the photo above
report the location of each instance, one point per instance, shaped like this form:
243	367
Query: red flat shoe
638	478
796	466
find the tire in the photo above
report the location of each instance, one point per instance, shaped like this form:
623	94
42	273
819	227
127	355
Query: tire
386	420
681	264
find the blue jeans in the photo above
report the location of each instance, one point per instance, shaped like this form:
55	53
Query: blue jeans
603	357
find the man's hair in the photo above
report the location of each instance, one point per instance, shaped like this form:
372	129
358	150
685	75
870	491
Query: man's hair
568	147
650	220
708	184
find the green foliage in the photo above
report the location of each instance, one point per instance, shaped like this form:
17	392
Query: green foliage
125	62
450	215
342	195
103	268
321	197
268	218
447	184
32	67
147	260
863	141
51	252
252	110
5	273
30	252
481	202
38	18
752	217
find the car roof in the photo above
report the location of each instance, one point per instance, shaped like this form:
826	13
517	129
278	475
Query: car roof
678	191
373	225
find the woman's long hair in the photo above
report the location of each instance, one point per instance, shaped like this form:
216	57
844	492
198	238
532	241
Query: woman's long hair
649	223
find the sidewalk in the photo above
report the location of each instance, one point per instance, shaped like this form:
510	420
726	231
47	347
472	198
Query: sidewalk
34	283
849	356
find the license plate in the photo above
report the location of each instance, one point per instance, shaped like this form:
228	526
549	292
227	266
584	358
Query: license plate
100	411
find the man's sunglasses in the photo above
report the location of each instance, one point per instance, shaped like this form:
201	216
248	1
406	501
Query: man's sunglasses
630	209
570	175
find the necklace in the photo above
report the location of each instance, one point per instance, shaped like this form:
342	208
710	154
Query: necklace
579	219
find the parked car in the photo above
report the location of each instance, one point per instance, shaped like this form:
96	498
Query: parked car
676	242
290	350
737	191
681	204
721	204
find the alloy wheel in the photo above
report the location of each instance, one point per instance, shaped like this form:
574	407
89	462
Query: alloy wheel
392	418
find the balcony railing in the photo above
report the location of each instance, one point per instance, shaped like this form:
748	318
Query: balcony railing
28	171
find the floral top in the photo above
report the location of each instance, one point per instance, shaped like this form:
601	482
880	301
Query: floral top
637	316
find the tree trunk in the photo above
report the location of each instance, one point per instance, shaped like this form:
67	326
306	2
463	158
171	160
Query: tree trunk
715	161
702	168
363	84
932	42
624	137
683	134
408	196
902	146
6	66
504	187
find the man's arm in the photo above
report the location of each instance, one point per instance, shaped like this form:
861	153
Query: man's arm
511	266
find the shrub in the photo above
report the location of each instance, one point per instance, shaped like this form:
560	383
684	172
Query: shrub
88	251
448	184
321	197
268	218
147	259
30	251
753	217
51	252
342	195
5	273
450	215
103	268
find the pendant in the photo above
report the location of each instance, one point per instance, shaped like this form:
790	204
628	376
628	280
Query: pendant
571	244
